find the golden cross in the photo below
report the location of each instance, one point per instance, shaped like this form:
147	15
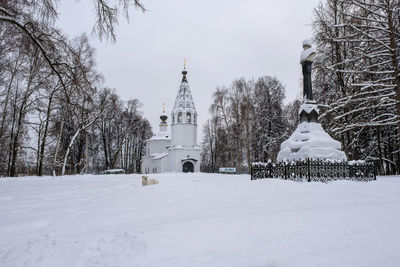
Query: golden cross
163	107
184	63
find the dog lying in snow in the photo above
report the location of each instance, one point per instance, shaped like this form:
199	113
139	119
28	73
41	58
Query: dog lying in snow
147	181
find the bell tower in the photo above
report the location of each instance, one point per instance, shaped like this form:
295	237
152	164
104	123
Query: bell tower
184	117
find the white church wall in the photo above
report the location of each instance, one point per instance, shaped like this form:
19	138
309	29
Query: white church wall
150	165
176	155
146	164
164	164
184	134
158	146
156	166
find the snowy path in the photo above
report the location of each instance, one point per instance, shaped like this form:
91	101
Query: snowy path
197	220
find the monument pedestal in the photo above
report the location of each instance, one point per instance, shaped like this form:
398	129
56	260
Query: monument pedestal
309	140
309	112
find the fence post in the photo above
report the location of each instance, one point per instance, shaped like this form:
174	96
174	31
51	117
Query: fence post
373	162
309	170
285	170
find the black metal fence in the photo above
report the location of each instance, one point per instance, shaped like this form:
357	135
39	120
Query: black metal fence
314	170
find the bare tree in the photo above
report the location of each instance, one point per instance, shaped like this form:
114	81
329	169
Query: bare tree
357	77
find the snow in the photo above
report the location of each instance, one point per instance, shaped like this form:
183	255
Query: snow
161	136
197	220
309	140
356	162
308	54
159	155
307	42
308	108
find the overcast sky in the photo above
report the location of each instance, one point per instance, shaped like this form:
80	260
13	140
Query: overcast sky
222	40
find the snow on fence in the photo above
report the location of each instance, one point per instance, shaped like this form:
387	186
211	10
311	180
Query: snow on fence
315	170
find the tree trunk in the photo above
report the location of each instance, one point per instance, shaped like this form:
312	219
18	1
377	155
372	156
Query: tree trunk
21	116
38	147
3	117
103	133
46	127
57	147
68	149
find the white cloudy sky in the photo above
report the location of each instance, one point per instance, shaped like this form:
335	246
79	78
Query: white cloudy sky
221	39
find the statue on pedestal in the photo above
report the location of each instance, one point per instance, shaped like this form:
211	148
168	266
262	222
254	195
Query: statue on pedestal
308	110
309	140
306	60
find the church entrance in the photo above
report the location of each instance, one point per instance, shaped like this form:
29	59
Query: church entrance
188	167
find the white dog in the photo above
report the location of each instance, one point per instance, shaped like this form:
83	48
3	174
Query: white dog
147	181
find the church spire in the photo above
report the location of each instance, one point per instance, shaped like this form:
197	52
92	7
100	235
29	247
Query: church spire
184	110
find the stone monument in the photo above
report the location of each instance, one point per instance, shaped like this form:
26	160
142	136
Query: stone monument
309	140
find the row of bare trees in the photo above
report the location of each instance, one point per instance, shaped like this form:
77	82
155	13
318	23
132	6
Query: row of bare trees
248	122
56	115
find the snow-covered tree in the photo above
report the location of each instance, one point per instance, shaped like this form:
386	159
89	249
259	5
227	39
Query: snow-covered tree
270	121
357	77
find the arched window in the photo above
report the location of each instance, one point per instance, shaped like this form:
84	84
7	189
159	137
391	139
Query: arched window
195	118
180	117
188	117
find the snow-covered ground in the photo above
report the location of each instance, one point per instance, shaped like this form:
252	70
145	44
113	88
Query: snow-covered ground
198	220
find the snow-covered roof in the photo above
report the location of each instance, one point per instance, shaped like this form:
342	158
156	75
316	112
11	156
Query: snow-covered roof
179	147
184	100
161	136
193	159
159	155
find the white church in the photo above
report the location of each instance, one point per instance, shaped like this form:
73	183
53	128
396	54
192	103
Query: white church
175	151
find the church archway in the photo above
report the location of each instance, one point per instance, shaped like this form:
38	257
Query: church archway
188	167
